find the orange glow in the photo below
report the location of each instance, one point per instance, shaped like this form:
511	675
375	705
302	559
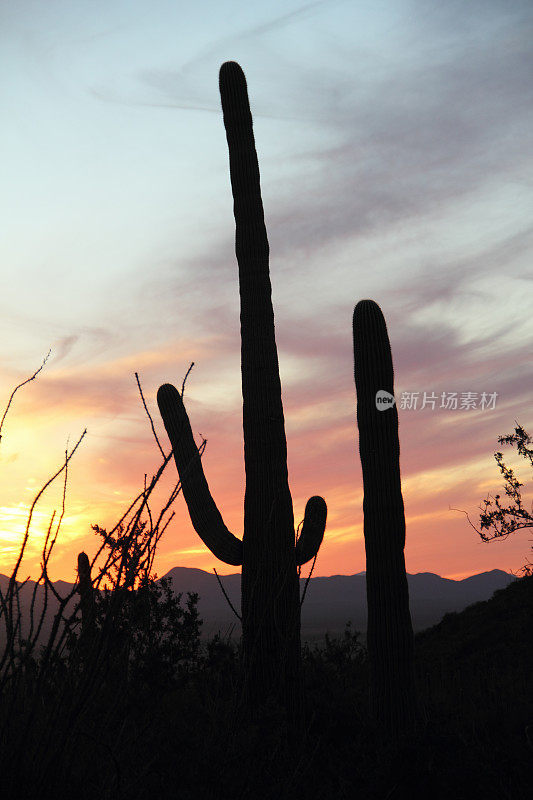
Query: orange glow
108	471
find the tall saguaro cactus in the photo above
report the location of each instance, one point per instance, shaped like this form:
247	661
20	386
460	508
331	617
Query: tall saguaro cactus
389	631
267	552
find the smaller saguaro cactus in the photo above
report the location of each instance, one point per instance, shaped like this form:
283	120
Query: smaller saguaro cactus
389	632
86	592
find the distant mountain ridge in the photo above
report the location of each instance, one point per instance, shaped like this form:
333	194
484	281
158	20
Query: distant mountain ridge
329	601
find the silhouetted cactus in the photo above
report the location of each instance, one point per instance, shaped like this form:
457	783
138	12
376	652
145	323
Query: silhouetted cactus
270	592
86	592
389	632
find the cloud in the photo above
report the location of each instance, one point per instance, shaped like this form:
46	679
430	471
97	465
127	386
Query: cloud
63	346
183	88
409	145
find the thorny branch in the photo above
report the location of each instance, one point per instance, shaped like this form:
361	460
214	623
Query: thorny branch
15	390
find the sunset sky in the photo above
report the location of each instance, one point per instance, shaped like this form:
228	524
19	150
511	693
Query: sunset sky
395	146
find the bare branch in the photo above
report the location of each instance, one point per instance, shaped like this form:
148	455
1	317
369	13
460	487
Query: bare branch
226	596
15	390
308	579
30	515
149	416
185	378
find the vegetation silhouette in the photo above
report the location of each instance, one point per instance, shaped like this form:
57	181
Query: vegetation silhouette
496	520
168	724
52	679
267	552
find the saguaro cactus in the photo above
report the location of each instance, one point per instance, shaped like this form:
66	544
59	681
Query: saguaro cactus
86	592
267	552
389	632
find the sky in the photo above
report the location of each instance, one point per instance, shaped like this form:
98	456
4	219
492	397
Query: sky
395	148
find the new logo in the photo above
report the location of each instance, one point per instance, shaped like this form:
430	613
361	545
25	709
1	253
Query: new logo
384	400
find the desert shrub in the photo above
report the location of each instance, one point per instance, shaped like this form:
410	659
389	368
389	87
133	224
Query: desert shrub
156	631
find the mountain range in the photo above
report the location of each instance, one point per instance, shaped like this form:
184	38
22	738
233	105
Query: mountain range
330	602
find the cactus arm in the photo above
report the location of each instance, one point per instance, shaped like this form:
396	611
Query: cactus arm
312	532
205	516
